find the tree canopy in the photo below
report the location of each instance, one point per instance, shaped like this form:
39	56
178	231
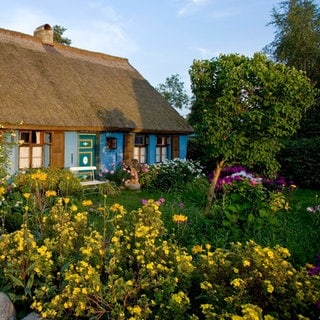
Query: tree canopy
297	36
242	107
297	44
174	92
58	35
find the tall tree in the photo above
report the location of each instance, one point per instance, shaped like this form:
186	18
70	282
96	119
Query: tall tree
242	107
58	35
297	36
297	44
174	92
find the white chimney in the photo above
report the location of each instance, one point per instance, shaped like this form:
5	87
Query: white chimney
45	33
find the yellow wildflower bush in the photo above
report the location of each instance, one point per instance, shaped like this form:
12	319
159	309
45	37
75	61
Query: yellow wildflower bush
260	278
150	272
41	180
24	263
129	269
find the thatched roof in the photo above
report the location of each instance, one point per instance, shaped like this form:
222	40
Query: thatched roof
60	87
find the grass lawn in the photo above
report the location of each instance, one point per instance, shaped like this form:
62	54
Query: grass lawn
296	229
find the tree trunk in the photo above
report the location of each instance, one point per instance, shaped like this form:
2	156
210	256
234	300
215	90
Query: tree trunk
212	188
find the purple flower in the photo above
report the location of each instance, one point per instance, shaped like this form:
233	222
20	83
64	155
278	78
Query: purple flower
144	201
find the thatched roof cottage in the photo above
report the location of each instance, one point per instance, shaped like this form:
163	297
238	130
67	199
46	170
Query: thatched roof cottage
72	107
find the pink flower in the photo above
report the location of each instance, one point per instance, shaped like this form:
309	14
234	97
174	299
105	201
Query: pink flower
161	200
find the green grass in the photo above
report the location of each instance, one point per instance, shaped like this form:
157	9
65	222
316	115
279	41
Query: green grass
300	229
296	229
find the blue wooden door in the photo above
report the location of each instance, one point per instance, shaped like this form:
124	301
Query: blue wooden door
87	150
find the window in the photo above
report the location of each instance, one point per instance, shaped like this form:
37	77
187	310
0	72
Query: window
34	150
111	143
140	148
163	142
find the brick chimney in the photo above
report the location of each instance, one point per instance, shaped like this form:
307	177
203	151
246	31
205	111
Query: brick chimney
45	33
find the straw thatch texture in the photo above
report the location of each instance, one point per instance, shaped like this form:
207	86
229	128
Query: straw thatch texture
56	87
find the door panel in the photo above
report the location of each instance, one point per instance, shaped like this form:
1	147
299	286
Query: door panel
87	147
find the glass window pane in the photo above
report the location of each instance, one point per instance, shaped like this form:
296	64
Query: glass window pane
24	161
36	157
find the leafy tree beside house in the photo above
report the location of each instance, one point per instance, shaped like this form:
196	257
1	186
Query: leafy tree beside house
242	107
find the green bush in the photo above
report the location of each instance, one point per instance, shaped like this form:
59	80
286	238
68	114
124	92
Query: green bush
244	209
63	267
300	162
254	282
64	182
170	175
72	271
5	148
119	175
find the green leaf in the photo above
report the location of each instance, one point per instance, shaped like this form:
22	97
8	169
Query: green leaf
251	217
263	213
232	217
65	266
30	282
233	208
16	281
226	223
31	267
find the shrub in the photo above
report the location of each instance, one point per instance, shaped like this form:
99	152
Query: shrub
250	277
238	173
170	175
300	162
118	175
64	182
5	148
67	270
244	208
11	208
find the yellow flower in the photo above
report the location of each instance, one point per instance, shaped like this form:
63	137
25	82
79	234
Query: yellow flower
116	207
36	269
41	176
205	285
269	287
150	266
27	195
130	283
179	218
86	203
74	208
246	263
66	200
2	191
51	193
196	249
135	310
237	282
84	291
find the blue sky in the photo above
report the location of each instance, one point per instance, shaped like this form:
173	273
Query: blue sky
159	37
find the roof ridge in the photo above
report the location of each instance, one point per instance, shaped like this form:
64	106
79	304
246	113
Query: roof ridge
31	38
